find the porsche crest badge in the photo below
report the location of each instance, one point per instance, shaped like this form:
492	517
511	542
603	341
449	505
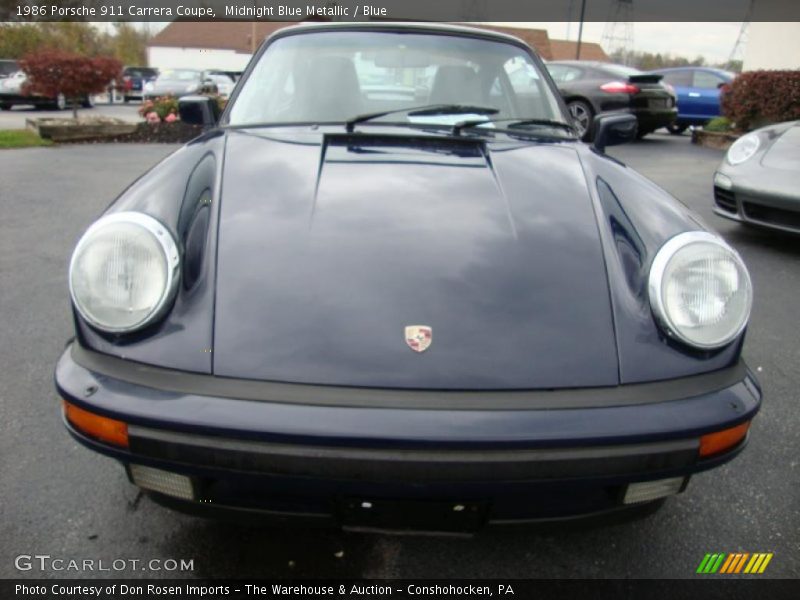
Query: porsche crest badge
419	337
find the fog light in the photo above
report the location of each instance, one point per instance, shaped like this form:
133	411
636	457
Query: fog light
652	490
163	482
723	181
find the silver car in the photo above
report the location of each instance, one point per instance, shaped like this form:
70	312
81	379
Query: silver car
179	82
758	182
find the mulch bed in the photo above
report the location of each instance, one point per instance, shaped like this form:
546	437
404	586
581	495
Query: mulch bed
713	139
147	133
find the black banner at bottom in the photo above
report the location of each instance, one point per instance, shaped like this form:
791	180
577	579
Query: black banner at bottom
539	589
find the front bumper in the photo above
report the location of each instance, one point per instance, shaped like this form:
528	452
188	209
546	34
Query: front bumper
761	207
322	454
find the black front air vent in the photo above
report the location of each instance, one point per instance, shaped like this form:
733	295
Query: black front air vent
725	199
773	216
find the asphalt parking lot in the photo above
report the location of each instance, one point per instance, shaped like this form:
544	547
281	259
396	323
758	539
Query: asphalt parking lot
60	499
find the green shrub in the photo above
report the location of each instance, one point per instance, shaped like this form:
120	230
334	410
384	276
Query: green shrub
162	106
721	124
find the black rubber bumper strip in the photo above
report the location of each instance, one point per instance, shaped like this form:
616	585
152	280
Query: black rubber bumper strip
324	395
372	464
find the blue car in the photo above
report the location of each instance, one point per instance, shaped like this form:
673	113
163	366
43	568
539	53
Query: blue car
698	91
358	309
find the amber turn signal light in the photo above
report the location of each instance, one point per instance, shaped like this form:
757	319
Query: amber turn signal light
714	443
101	428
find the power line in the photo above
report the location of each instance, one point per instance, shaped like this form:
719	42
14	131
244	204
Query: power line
618	32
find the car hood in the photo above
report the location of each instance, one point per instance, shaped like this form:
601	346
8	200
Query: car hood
11	84
329	247
172	87
784	152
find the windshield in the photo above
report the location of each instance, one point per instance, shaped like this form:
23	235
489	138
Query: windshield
8	67
131	72
335	76
179	75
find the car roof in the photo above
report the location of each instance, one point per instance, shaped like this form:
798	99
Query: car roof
687	68
582	63
442	28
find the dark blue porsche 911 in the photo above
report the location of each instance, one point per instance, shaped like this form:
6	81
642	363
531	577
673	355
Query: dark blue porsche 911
389	288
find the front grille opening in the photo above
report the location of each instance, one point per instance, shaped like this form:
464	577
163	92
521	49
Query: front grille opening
725	199
768	214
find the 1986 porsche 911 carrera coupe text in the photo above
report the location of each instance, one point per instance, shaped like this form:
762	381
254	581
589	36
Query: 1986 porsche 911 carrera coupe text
390	288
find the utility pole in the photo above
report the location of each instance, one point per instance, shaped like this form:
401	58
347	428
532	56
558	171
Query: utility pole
618	33
741	41
580	30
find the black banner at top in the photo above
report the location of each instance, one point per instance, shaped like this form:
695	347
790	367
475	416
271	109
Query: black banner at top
400	10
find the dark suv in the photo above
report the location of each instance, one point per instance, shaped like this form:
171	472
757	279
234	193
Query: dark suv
133	80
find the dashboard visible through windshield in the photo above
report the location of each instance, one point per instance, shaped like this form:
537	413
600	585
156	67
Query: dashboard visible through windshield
335	76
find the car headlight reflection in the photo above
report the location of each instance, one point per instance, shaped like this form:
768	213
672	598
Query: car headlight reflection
700	290
743	149
124	272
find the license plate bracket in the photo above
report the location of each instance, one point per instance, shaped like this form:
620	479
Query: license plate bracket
453	516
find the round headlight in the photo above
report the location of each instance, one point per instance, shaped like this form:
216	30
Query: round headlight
124	272
700	290
743	149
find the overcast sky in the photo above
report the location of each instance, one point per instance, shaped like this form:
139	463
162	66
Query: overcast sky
714	41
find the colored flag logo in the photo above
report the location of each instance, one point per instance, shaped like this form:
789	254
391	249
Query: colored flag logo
738	562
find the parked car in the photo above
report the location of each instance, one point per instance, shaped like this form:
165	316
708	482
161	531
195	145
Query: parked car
133	81
13	92
758	182
8	67
698	90
590	88
348	311
179	82
225	82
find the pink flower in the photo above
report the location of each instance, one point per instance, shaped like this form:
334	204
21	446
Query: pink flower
171	118
152	117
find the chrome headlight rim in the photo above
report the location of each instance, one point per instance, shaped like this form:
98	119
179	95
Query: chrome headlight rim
747	138
656	279
171	256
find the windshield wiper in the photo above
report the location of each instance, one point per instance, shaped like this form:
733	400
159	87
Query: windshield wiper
514	124
423	111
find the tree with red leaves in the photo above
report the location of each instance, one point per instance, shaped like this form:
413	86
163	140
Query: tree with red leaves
54	72
758	98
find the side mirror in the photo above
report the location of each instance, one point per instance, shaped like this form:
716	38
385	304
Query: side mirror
612	129
199	110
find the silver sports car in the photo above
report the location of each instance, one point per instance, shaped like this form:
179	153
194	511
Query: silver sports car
758	182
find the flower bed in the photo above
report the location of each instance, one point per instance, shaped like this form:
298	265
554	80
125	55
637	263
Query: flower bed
719	140
163	109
